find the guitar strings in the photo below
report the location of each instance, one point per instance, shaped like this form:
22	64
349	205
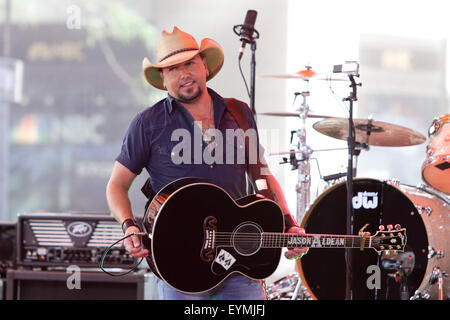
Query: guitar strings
267	239
259	238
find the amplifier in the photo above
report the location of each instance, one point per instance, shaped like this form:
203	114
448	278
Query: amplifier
7	246
63	239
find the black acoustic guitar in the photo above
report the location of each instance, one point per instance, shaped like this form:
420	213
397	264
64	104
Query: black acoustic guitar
199	235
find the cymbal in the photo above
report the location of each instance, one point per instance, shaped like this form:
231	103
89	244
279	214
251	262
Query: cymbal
306	74
374	133
291	114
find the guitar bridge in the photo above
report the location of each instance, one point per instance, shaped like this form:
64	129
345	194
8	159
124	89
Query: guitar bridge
209	230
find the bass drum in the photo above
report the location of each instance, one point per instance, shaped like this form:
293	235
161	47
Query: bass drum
323	271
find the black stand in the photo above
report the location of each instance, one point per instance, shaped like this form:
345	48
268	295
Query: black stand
252	42
252	97
252	78
349	225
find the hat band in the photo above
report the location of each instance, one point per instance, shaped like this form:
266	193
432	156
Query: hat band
176	52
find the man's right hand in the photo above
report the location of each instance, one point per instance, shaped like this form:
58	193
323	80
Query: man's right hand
133	244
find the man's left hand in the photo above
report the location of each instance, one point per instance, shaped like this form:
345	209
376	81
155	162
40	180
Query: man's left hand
295	253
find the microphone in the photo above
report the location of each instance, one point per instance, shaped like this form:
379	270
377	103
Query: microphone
247	29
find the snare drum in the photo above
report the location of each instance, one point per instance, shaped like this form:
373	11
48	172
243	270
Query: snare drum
423	212
436	168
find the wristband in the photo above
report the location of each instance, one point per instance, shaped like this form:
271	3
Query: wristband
289	222
129	223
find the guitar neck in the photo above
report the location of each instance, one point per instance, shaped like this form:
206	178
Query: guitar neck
287	240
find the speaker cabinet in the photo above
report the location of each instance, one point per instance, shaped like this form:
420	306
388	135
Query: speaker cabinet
60	285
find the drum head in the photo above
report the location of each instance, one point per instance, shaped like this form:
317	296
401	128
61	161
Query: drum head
323	271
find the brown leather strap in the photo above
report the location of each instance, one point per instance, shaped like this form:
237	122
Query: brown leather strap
238	113
241	119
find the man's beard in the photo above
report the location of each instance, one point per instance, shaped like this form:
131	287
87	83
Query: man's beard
191	94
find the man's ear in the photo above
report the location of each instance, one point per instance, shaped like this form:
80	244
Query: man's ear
206	65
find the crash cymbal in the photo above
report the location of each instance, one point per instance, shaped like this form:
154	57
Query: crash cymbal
291	114
374	133
306	74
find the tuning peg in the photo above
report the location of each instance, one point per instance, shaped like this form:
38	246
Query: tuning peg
390	227
397	227
381	228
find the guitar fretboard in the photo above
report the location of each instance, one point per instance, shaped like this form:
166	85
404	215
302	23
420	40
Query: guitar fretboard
282	240
287	240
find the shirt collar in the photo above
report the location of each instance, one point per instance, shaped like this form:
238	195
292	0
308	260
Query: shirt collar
218	102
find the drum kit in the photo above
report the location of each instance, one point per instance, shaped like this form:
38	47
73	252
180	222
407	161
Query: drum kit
421	271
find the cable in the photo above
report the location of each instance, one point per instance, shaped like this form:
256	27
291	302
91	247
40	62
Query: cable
110	247
343	107
243	77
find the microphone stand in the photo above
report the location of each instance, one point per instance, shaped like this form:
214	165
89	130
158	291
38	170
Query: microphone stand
252	42
252	96
252	77
349	224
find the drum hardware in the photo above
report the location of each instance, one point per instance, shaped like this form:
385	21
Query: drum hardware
335	176
302	164
435	253
283	289
424	210
401	265
351	140
291	114
394	182
420	296
437	276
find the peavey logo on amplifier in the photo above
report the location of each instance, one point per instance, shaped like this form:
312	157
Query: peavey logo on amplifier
64	239
366	200
79	229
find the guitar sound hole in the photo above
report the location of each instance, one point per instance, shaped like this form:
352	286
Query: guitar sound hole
247	238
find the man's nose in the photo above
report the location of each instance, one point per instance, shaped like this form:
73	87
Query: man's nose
184	71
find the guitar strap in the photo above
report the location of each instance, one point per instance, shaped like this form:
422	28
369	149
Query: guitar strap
237	113
239	116
241	119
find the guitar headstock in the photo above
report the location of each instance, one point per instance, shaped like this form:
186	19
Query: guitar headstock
392	239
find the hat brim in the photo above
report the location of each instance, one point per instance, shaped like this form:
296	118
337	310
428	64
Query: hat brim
209	49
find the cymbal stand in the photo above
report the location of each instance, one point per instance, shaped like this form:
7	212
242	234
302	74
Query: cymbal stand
303	161
351	151
304	175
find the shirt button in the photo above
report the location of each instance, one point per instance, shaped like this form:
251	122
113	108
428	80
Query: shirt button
211	166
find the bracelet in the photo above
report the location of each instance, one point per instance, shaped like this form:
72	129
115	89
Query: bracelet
128	223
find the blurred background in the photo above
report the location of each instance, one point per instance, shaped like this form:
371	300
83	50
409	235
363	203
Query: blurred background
71	81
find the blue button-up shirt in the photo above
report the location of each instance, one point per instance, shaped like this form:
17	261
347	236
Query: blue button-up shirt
162	134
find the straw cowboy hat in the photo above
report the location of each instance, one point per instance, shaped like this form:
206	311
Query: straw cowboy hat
177	47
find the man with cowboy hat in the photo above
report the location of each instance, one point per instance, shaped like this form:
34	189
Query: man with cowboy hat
183	69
